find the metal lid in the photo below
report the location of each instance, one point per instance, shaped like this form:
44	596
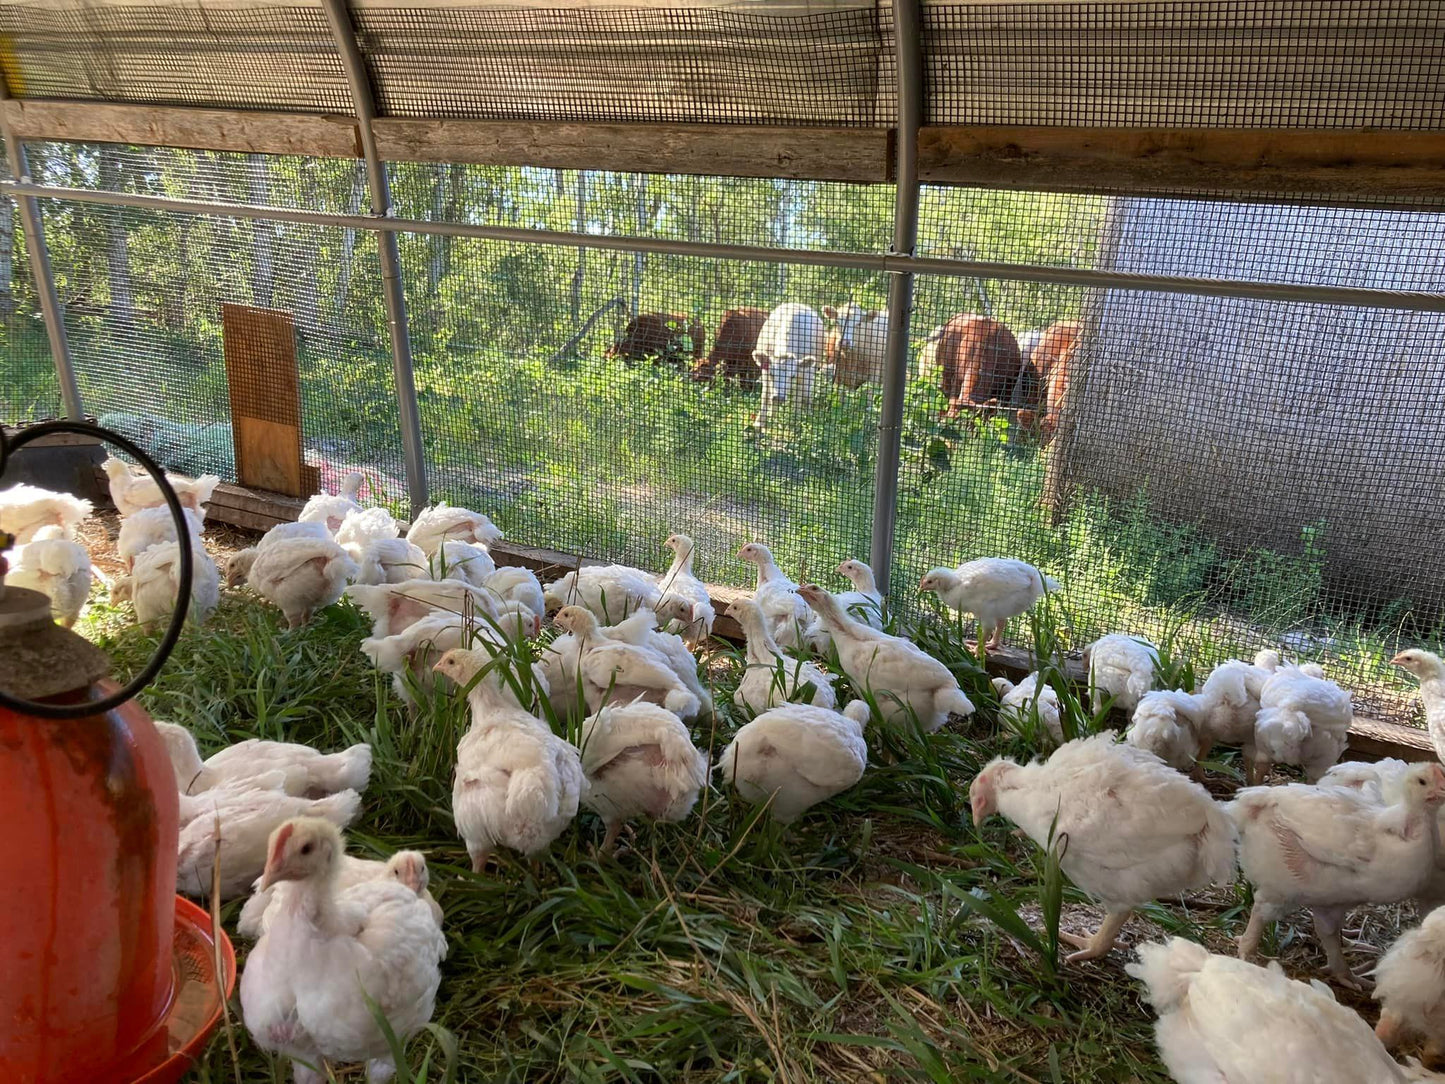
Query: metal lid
38	658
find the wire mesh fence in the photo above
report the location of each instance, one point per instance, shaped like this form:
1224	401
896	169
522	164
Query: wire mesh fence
1234	474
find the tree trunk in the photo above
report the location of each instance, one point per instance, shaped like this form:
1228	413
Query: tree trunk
348	241
263	235
436	258
639	258
308	292
117	248
580	275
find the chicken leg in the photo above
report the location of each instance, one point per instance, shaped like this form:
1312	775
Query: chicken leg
1328	921
995	639
1261	914
1091	948
479	858
609	841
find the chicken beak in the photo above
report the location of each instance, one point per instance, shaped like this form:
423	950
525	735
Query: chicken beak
270	877
979	804
1398	660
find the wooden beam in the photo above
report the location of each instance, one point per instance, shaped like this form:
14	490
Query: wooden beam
823	154
172	126
1355	165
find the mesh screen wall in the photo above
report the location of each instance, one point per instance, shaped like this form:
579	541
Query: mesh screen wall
1232	473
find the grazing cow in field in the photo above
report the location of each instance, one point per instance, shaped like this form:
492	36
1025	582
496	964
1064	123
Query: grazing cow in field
1053	357
732	350
980	360
790	347
666	335
857	346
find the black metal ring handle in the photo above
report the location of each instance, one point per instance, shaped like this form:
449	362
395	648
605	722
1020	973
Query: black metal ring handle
183	592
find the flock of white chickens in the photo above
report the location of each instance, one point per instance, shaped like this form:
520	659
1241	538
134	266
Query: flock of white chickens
1126	819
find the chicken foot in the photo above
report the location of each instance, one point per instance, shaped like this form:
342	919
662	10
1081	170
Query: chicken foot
1259	916
1091	948
1328	922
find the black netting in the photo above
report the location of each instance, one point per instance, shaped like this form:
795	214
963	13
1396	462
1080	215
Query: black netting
29	390
697	65
263	58
1187	63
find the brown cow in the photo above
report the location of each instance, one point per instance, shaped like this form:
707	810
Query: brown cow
662	335
1054	358
980	361
732	350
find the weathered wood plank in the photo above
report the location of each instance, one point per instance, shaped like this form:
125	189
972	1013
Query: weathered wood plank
175	126
1363	165
825	154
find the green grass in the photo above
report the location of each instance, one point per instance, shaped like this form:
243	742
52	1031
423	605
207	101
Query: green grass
857	946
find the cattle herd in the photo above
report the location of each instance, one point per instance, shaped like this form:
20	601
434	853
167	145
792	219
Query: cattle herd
979	362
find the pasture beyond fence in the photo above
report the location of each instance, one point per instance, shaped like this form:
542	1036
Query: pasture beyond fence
1250	450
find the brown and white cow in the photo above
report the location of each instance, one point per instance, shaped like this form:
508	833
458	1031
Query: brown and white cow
1053	358
732	351
980	360
669	336
857	344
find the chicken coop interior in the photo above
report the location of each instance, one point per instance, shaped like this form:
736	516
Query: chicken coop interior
1147	296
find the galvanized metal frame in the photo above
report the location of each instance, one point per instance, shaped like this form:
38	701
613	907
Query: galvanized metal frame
1359	297
907	36
39	254
393	292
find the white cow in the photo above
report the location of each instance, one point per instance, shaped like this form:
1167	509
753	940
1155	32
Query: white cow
859	349
790	347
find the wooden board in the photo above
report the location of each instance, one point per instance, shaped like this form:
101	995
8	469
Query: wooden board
1358	166
169	126
260	351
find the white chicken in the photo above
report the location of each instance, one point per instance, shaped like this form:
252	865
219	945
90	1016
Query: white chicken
331	510
404	867
387	560
1230	696
1302	720
417	648
863	602
24	509
1122	667
1018	702
642	629
247	818
301	576
1170	723
796	756
639	761
905	681
1137	830
443	521
771	678
777	597
238	567
611	592
1224	1021
130	492
334	958
150	527
1410	987
993	589
680	582
517	784
463	561
511	583
1427	666
306	772
362	526
617	672
392	607
155	579
1329	849
56	567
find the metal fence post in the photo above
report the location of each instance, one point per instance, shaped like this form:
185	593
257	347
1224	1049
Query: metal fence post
908	39
39	255
393	294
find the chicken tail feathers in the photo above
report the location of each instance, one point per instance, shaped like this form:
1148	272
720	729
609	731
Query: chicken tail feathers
349	769
340	809
953	701
681	702
1167	970
1281	733
532	804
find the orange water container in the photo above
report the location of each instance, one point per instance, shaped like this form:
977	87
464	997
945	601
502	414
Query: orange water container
88	868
